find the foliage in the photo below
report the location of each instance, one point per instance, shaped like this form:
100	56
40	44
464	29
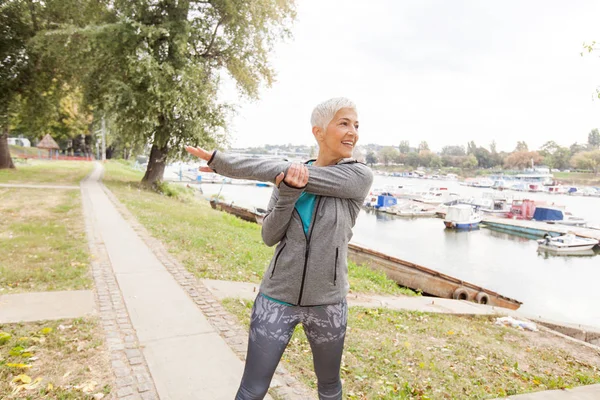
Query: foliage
521	147
155	67
404	147
587	160
594	139
453	151
423	146
522	159
371	158
388	155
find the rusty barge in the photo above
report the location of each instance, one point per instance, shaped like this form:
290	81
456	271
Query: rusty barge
426	280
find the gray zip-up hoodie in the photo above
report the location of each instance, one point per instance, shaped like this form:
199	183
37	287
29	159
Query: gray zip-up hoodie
306	269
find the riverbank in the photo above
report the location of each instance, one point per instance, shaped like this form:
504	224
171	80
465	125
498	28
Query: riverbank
436	363
564	178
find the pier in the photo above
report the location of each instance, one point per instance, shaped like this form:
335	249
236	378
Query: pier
538	228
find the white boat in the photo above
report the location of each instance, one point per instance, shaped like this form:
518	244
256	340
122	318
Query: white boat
462	216
566	243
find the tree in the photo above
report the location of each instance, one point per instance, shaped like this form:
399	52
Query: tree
469	162
404	147
522	159
555	156
471	146
155	67
388	155
587	160
453	151
594	139
371	158
34	76
521	146
577	148
484	157
493	147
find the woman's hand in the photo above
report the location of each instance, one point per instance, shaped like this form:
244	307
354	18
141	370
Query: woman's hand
297	176
201	154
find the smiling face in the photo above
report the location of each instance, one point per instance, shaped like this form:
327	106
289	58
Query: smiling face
337	141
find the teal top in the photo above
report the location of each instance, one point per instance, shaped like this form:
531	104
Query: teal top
305	205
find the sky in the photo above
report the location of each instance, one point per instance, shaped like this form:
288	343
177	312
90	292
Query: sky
446	72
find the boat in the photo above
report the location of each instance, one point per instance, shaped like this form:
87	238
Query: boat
427	281
462	216
257	215
566	243
556	215
522	209
557	189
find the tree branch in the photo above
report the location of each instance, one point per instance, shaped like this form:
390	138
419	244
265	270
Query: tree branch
212	40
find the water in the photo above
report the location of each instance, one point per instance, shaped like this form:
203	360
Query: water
554	287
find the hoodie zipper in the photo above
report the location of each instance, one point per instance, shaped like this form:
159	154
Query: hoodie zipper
312	227
335	266
277	258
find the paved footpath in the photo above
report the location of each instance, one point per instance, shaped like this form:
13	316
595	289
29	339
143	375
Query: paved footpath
185	356
168	337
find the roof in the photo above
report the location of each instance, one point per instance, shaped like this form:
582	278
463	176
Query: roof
48	143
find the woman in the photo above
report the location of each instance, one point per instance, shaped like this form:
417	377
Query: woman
310	218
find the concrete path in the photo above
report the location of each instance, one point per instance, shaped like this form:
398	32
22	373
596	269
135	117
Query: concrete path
224	289
36	186
25	307
186	357
591	392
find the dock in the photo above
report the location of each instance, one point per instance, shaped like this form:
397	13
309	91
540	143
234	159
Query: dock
538	228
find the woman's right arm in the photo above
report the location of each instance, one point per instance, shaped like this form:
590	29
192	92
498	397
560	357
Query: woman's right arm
279	213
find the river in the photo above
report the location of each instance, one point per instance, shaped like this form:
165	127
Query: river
560	288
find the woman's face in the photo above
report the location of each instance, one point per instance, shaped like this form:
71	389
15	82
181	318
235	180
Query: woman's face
341	134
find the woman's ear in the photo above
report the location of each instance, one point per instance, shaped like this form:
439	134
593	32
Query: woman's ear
318	133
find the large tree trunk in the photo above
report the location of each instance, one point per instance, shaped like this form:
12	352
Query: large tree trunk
156	165
5	159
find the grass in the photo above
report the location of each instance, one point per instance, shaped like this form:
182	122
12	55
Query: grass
53	360
16	151
212	244
577	178
42	241
411	355
47	172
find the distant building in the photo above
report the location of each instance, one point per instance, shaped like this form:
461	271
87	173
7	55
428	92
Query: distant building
23	142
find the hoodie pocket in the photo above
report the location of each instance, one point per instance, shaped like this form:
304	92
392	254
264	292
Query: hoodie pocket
335	266
277	258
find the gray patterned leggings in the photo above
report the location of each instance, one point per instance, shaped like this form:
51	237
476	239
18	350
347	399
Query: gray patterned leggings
271	328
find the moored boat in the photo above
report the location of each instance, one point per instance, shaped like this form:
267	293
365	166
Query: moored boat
557	215
462	216
567	243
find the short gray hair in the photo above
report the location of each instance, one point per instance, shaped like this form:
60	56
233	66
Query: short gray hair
324	112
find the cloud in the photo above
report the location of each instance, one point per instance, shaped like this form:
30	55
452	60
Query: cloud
445	72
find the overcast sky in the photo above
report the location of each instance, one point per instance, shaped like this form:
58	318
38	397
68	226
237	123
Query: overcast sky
442	71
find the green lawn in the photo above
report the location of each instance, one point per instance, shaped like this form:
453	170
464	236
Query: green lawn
411	355
47	172
211	244
42	241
